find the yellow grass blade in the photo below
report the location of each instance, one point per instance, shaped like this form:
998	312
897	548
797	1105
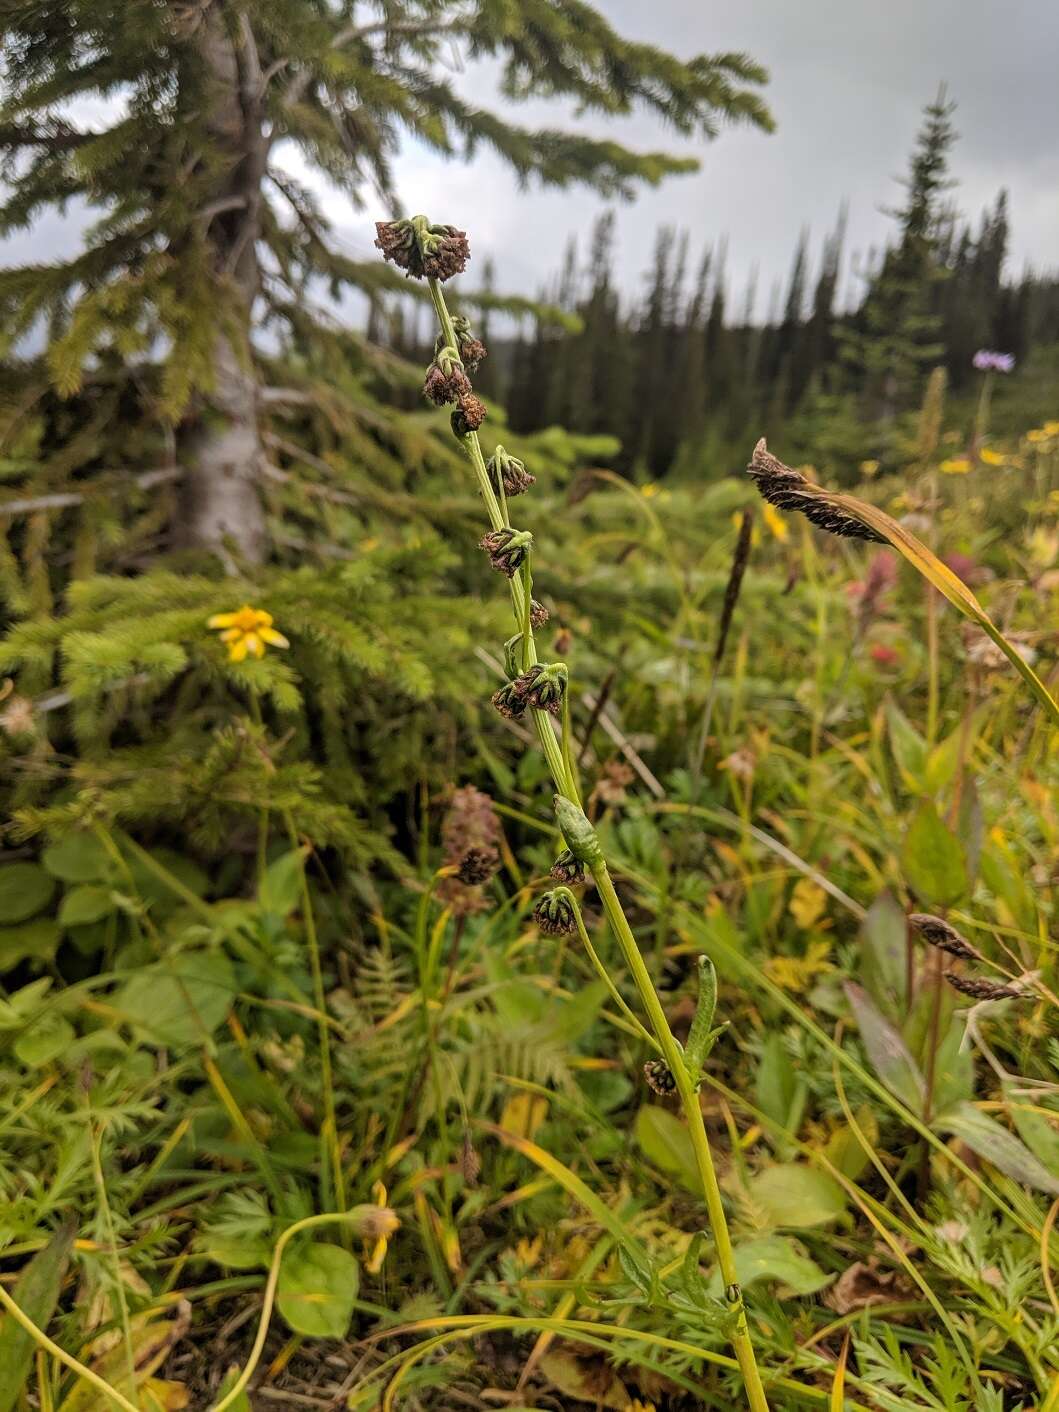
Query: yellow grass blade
837	1400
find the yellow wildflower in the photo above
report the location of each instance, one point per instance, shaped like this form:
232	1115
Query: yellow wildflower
808	903
1037	435
528	1252
380	1228
648	490
955	466
990	458
797	973
1051	428
247	631
869	468
775	521
637	1406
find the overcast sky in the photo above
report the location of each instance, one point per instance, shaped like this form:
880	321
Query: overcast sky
848	79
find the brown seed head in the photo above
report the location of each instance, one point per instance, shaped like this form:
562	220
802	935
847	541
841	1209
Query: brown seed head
978	988
788	489
554	914
443	385
478	865
469	415
936	932
659	1077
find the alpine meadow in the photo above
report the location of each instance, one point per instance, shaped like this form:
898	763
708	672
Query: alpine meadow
529	771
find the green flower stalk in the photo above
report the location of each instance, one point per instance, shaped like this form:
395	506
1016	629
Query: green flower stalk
542	692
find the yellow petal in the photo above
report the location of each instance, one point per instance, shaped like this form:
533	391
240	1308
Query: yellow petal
378	1194
221	620
237	650
231	634
254	644
373	1264
264	620
272	637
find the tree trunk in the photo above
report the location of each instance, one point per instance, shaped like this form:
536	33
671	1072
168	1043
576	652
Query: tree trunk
220	441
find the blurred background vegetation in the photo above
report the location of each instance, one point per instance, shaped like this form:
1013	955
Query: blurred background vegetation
209	866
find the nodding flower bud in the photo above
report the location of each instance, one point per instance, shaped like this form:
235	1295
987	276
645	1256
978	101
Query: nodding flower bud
507	549
469	414
423	250
938	933
544	687
554	913
509	701
539	615
477	866
568	869
508	473
445	380
978	988
578	833
472	350
659	1077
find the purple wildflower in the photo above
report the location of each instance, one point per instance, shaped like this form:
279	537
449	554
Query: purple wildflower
987	360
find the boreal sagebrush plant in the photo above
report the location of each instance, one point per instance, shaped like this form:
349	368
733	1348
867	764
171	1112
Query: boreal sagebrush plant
540	693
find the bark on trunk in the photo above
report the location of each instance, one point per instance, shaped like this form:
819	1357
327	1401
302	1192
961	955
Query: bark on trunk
220	443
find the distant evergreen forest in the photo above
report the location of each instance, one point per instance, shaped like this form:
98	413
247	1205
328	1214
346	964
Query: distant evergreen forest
686	375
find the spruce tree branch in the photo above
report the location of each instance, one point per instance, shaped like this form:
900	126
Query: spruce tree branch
61	139
348	34
62	500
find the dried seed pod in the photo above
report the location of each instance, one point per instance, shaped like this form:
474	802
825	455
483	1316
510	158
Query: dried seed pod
539	615
659	1077
544	686
423	250
568	869
472	350
554	913
978	988
445	381
507	549
936	932
470	1162
788	489
469	414
508	473
477	866
509	702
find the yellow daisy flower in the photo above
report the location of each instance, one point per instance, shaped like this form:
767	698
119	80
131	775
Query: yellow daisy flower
383	1225
247	631
955	466
990	458
1037	435
775	521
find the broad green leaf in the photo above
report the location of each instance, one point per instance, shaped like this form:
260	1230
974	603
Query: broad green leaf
36	940
44	1040
87	903
665	1141
932	859
25	890
953	1068
780	1090
317	1288
281	887
844	1149
36	1292
909	749
887	1052
567	1020
78	858
884	936
993	1142
778	1259
793	1194
182	1001
1039	1135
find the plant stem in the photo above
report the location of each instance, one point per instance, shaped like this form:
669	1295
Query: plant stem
689	1101
561	766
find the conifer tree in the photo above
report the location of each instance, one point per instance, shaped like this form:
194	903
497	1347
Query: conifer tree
168	122
896	334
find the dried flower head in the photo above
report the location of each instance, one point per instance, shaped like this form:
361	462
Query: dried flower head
539	615
659	1077
470	1163
507	549
478	865
509	701
470	833
446	380
472	350
568	869
509	473
978	988
469	414
936	932
423	250
788	489
554	913
544	686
